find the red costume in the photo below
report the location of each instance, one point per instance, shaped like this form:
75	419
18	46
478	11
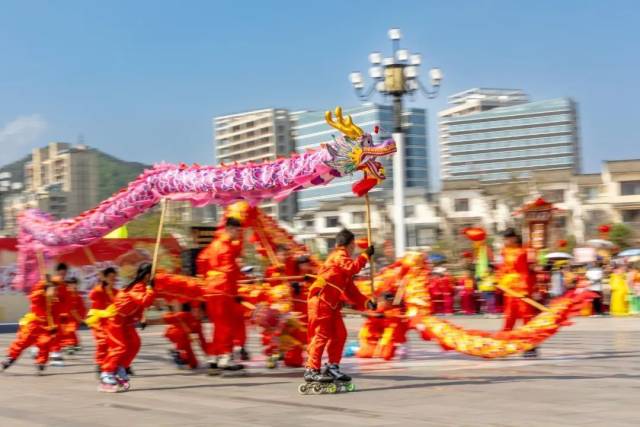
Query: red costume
467	295
515	276
180	327
218	261
63	305
73	319
122	338
101	297
326	327
37	327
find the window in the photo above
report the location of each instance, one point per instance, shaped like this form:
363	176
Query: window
553	196
631	215
630	188
425	236
331	243
589	193
357	218
409	211
309	223
331	221
560	222
461	205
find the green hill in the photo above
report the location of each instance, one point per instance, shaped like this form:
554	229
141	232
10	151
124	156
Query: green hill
114	174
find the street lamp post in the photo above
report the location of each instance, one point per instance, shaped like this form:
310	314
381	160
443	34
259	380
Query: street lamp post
397	76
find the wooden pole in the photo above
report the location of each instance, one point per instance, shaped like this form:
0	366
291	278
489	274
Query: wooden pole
42	266
156	249
372	264
528	300
89	254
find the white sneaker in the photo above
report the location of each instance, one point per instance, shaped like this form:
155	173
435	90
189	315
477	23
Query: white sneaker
56	359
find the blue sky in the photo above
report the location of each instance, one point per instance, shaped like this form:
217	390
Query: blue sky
142	80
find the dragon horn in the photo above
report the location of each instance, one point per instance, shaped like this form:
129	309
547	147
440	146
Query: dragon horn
346	126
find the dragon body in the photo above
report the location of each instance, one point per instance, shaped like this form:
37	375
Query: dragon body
201	185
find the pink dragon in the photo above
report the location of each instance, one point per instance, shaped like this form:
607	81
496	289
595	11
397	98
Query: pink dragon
201	185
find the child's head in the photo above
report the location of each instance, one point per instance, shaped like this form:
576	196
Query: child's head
346	239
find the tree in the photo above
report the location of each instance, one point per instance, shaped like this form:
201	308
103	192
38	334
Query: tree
621	235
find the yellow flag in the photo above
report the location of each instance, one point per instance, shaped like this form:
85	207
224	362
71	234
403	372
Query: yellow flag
118	233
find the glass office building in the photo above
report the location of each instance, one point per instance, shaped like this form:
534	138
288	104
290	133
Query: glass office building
310	130
481	140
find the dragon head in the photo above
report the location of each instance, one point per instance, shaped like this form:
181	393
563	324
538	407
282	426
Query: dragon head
355	150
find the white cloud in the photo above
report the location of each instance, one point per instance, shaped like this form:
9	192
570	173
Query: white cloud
20	135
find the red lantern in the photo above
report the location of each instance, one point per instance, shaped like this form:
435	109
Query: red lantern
475	234
362	243
604	228
562	243
467	254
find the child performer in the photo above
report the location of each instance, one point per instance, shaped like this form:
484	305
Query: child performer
122	338
326	327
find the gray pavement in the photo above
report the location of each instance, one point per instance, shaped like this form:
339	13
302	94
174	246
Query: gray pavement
587	375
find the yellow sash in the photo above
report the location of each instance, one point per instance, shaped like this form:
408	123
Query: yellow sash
95	315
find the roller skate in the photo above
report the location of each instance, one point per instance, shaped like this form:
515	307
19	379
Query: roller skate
340	379
317	382
272	361
229	367
6	363
40	367
175	355
57	360
213	369
108	383
122	378
244	354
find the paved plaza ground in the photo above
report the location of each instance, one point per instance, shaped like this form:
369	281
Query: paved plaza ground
587	375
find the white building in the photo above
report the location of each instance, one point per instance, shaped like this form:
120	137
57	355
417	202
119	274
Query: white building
584	202
498	135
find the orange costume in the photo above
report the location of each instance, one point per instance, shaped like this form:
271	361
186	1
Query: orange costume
180	327
101	297
122	339
38	326
73	319
64	318
515	276
335	284
218	261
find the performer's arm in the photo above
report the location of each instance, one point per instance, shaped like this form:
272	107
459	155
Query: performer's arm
355	297
352	267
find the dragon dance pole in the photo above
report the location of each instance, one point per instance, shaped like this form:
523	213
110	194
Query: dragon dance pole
372	264
529	301
156	249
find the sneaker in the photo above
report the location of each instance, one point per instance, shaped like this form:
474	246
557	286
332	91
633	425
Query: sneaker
6	363
121	374
531	354
56	359
225	362
333	370
315	375
244	354
108	383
